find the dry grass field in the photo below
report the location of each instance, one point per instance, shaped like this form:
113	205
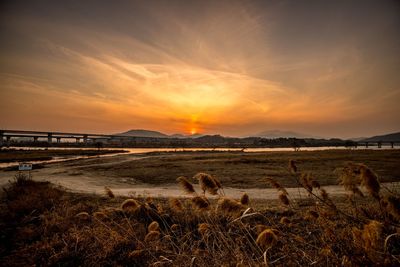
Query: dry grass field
44	225
242	170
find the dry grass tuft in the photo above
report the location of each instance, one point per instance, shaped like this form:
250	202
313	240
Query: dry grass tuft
200	203
109	193
207	183
266	239
186	185
245	200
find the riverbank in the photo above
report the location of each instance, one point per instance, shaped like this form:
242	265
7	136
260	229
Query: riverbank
12	155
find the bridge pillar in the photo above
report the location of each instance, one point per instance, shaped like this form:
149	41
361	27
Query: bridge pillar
78	139
35	138
379	144
366	144
49	138
8	138
85	138
58	140
1	138
392	144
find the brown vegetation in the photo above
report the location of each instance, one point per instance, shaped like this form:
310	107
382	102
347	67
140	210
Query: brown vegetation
45	225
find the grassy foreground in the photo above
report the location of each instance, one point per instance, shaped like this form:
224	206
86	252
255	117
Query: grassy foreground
46	226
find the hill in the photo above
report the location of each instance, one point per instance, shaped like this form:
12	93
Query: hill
144	133
393	137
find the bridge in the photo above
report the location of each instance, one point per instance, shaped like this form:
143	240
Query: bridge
6	135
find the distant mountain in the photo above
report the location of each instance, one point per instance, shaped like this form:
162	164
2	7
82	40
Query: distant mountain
283	134
155	134
393	137
144	133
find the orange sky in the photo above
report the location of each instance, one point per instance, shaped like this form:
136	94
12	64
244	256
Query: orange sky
234	68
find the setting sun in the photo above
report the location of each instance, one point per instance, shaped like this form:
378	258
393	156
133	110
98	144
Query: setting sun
193	131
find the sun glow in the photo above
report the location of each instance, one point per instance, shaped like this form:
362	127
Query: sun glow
193	131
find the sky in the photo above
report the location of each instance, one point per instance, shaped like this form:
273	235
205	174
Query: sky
235	68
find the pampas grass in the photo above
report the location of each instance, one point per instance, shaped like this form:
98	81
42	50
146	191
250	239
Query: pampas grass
370	180
229	206
292	166
130	205
207	183
83	215
204	228
175	204
266	239
200	203
284	199
109	193
186	185
154	226
275	184
152	236
244	200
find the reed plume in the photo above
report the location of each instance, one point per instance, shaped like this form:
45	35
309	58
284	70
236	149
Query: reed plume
204	228
130	205
370	180
109	193
393	206
174	228
284	199
207	183
137	253
83	215
349	179
244	200
99	215
276	185
292	166
266	239
186	185
153	226
372	234
152	236
284	220
175	204
200	202
229	206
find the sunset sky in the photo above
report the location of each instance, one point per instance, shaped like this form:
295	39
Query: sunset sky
236	68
